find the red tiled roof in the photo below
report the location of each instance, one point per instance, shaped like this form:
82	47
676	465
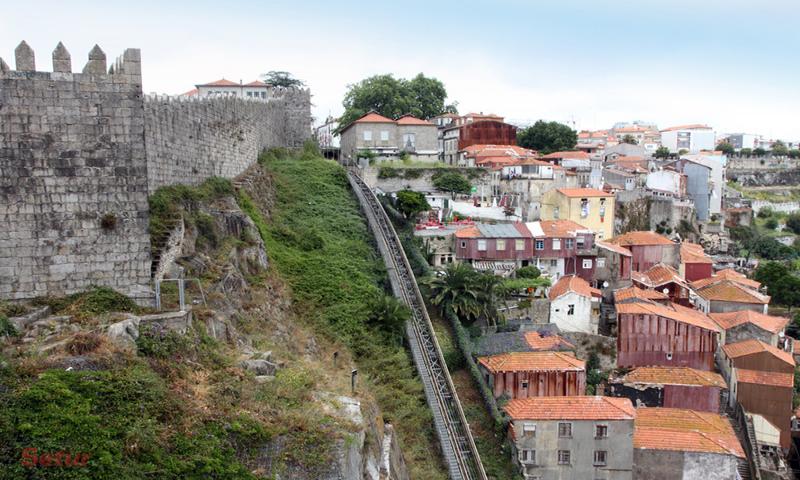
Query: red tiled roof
673	311
731	291
657	275
530	361
678	429
560	228
732	274
694	126
570	408
766	322
583	192
550	342
469	232
635	293
191	93
614	248
694	253
572	283
220	83
373	117
412	120
256	83
638	238
753	346
674	376
574	155
773	379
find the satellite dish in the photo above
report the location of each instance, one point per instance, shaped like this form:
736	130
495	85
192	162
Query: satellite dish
666	291
605	284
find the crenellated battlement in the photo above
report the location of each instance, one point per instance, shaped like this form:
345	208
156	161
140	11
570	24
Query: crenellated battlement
126	67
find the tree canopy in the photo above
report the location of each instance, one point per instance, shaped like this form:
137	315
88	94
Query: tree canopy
278	78
662	152
547	137
782	285
779	148
411	203
725	148
451	182
629	139
424	97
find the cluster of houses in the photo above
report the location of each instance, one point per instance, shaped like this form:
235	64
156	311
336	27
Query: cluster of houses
701	375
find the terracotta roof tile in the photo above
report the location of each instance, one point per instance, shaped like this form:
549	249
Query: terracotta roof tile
635	293
583	192
674	311
694	253
766	322
191	93
572	283
659	274
469	232
256	83
574	155
561	228
570	408
752	346
677	429
694	126
774	379
220	83
640	238
412	120
731	291
674	376
530	361
373	117
547	342
614	248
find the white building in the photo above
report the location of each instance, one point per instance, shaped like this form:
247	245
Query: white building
667	181
693	138
226	88
574	305
716	162
326	135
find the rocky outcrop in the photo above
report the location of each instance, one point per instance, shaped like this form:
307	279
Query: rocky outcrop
765	178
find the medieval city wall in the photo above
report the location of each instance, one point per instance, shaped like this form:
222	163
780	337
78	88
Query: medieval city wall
81	152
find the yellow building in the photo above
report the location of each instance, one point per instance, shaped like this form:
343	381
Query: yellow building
592	208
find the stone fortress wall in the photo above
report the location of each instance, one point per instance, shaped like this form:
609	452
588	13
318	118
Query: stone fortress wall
80	152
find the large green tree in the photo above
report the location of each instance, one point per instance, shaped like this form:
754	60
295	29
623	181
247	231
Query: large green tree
411	203
782	285
424	97
547	137
726	148
779	148
452	182
282	79
662	152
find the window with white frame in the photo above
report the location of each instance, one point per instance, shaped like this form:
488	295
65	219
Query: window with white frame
463	244
571	309
539	244
565	428
501	244
600	431
601	263
409	140
587	263
556	244
529	429
482	245
519	245
600	457
564	457
527	456
367	135
385	135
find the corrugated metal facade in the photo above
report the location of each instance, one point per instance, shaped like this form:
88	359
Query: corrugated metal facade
647	340
772	402
693	397
487	132
697	271
540	383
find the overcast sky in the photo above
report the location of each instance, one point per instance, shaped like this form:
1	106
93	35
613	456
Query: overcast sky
731	64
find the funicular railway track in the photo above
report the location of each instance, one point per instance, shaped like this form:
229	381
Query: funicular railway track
458	446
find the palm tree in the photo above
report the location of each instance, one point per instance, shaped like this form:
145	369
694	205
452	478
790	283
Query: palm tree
454	291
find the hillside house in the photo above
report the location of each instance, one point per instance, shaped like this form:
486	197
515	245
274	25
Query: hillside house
719	294
389	139
534	374
695	264
574	305
647	249
680	444
471	130
594	209
501	248
761	379
672	387
746	324
665	279
544	339
612	268
634	294
563	247
670	335
582	437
